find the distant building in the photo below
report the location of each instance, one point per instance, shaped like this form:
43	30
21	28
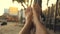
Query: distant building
12	18
13	11
6	10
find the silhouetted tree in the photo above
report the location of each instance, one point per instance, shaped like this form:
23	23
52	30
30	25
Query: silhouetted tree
19	0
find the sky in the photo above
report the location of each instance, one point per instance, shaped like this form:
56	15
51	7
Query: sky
8	3
44	3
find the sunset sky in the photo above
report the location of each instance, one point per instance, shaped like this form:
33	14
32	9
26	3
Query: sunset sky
8	3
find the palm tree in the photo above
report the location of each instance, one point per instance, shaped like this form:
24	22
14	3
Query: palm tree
56	15
19	0
39	2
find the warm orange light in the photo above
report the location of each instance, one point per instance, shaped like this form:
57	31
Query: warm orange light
13	10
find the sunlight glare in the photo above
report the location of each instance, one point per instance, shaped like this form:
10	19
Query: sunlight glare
9	3
51	2
32	3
